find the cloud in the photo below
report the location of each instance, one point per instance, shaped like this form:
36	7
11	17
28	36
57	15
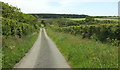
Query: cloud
29	5
49	6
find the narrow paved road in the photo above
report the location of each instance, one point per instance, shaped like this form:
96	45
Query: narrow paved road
43	54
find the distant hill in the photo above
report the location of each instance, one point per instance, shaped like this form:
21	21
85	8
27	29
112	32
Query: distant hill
59	15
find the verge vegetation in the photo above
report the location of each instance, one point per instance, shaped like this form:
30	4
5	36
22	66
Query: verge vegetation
86	43
85	53
19	32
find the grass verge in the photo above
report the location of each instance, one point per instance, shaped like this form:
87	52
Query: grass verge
16	48
85	53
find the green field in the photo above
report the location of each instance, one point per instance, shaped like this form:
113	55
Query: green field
85	53
106	19
78	19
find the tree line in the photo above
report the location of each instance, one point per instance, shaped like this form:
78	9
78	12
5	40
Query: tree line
59	15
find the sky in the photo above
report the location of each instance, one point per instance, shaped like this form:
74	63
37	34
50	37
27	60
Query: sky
88	7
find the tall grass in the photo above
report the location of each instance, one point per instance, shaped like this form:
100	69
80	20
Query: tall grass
85	53
15	48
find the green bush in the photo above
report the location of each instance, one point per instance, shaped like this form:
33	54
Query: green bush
97	32
16	23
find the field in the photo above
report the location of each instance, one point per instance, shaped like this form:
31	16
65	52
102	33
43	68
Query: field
106	19
78	19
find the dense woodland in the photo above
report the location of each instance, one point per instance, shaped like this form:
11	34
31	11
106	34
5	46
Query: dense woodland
59	15
67	16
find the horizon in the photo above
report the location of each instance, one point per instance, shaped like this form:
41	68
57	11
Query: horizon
87	7
66	14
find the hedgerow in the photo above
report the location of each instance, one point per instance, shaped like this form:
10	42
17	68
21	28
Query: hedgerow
16	23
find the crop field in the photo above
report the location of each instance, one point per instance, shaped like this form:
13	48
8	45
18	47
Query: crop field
77	19
111	19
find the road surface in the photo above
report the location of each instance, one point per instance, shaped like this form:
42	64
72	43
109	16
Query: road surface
43	54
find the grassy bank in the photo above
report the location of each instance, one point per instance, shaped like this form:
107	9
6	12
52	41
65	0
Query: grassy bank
85	53
15	48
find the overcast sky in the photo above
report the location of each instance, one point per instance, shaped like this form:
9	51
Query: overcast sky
88	7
